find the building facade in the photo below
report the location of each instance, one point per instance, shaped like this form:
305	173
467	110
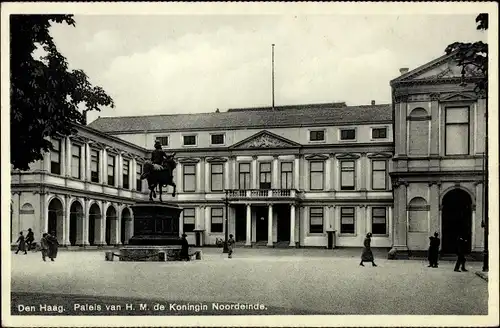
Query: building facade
291	176
438	172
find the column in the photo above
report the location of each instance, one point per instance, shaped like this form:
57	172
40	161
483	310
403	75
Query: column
434	144
248	241
46	162
207	223
88	161
226	176
292	225
275	173
270	225
362	170
391	222
208	179
181	222
296	172
63	157
403	112
328	173
104	166
254	172
368	214
434	207
101	237
400	224
83	163
117	231
336	174
65	221
179	182
133	173
234	175
119	171
44	211
68	156
85	223
201	185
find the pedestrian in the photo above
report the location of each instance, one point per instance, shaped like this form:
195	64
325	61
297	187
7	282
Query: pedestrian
22	244
30	238
367	255
230	246
53	246
461	243
44	245
185	248
434	250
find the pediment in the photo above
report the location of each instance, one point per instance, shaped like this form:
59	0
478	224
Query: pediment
216	159
265	139
188	160
347	156
442	68
316	157
458	97
380	155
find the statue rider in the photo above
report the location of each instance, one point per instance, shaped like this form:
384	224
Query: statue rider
158	157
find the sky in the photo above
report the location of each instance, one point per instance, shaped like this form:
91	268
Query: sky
171	64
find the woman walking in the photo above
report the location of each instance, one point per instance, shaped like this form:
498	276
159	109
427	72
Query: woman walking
367	255
22	244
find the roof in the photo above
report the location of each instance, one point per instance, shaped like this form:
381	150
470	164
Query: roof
288	116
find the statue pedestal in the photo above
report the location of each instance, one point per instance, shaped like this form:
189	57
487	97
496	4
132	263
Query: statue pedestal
156	233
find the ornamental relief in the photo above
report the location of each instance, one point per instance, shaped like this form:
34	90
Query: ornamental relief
265	141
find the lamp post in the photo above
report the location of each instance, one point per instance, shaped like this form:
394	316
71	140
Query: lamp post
225	249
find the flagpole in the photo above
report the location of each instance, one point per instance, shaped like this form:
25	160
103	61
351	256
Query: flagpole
273	73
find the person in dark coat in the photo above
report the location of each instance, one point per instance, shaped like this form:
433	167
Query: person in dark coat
44	246
230	246
158	156
367	255
185	248
461	244
30	238
53	246
22	244
434	250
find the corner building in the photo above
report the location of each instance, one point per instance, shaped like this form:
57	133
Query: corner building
438	174
293	174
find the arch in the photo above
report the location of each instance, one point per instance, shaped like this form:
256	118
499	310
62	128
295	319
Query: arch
94	224
111	218
126	225
26	217
456	219
417	201
418	112
75	223
445	192
56	217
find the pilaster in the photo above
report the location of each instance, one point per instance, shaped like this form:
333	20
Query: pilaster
275	173
68	156
254	173
270	225
292	225
248	241
434	132
66	221
296	172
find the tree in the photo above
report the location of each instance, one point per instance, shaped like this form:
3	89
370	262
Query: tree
476	55
45	95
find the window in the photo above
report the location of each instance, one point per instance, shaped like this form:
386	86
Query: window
265	176
379	223
317	135
138	181
348	134
189	177
216	220
316	220
316	175
94	166
286	175
111	170
457	131
379	175
217	139
379	133
244	176
189	140
188	215
75	161
55	157
126	184
217	178
347	220
347	175
162	140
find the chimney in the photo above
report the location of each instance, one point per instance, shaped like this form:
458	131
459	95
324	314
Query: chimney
373	102
404	70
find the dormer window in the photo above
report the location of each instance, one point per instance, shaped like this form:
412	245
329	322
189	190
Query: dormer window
162	140
217	139
189	140
317	135
379	133
348	134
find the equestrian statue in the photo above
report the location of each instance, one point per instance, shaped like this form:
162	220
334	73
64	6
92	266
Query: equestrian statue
159	171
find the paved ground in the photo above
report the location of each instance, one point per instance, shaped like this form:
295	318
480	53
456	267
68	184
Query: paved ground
285	281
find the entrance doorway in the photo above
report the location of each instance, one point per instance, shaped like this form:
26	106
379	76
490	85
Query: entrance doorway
283	212
241	223
261	223
55	224
75	222
456	220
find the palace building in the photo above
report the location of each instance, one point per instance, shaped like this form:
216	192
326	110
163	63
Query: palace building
317	175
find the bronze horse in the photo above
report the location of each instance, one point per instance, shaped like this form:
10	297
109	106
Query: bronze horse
159	178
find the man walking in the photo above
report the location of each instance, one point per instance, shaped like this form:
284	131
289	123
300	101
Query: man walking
434	250
22	244
44	245
30	238
230	246
461	244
